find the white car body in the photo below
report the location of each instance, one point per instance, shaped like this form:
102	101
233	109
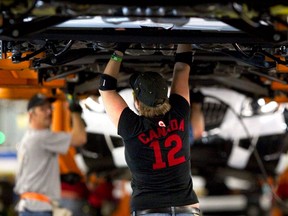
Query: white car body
252	126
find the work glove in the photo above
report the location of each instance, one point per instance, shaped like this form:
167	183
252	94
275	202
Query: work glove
196	96
122	47
74	105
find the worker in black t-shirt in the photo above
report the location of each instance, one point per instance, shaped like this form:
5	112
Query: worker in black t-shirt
156	141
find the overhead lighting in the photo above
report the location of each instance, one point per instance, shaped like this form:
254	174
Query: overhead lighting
261	102
269	107
251	107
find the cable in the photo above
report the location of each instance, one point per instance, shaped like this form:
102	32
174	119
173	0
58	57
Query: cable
67	46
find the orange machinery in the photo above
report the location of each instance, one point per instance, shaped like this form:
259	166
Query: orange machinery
19	81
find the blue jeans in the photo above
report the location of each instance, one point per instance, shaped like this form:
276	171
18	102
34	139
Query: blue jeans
75	205
36	213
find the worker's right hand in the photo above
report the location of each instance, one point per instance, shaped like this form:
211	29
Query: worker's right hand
196	96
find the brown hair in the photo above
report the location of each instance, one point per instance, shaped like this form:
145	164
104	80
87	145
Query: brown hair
151	112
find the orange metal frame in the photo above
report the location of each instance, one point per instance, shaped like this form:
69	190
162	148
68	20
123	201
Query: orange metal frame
19	81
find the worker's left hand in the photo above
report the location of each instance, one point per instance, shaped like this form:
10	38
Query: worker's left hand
74	105
122	47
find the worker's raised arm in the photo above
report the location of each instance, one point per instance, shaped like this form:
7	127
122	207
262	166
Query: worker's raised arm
79	134
113	102
78	131
183	60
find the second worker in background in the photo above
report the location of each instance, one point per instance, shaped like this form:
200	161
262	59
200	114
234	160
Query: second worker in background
38	179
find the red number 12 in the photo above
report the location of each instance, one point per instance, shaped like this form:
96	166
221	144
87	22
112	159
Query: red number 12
172	159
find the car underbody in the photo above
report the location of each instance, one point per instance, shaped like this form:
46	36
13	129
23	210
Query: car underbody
240	45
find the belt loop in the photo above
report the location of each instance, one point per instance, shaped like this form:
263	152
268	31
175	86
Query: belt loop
173	210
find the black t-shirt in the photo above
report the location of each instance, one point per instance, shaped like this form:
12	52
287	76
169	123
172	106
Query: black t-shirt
157	152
